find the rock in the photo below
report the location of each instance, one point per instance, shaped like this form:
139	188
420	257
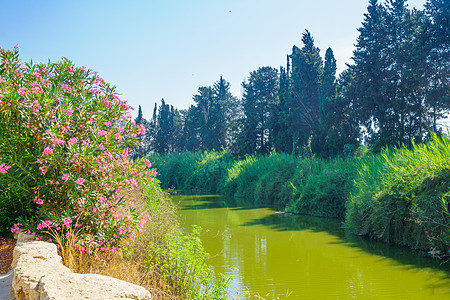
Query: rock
39	274
88	286
23	237
32	261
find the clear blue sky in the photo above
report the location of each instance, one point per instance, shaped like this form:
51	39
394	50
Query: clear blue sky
168	49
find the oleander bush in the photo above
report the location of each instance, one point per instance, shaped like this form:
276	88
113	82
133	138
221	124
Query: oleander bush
65	177
65	140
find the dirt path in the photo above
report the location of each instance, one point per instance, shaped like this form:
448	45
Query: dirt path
6	255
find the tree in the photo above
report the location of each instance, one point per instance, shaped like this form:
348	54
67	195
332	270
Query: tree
327	97
227	114
144	139
208	109
282	137
138	120
304	93
438	93
370	60
259	103
164	139
191	136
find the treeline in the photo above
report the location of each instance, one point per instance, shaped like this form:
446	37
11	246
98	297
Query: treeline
400	196
395	91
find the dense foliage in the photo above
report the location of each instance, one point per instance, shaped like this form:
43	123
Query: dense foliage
395	91
64	139
403	196
399	196
65	177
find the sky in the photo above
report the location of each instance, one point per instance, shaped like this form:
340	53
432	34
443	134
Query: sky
154	49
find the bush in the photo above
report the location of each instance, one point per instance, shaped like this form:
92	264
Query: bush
176	169
322	188
263	180
64	142
210	171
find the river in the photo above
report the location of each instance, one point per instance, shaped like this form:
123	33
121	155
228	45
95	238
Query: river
276	255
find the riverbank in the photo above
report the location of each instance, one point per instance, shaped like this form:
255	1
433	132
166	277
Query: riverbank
398	196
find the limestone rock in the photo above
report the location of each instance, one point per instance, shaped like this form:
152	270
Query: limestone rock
88	286
39	274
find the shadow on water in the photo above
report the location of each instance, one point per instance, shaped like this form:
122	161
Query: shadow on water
218	201
405	257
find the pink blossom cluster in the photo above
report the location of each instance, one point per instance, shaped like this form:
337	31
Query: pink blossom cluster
4	168
81	136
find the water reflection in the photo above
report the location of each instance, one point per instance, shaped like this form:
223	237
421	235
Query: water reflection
272	253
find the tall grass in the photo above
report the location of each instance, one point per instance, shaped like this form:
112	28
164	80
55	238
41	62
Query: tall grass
403	196
176	169
262	180
322	188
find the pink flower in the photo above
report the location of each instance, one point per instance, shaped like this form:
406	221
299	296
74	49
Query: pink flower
67	222
69	112
47	151
102	132
57	141
4	168
148	163
16	228
37	90
118	137
80	181
38	201
100	147
107	124
65	176
72	141
86	143
22	91
140	129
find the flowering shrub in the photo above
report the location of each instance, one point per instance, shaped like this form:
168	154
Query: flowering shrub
64	143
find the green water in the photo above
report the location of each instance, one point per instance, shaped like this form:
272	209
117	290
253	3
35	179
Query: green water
274	255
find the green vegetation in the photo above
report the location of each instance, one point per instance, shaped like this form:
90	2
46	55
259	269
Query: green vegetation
398	196
66	178
173	262
403	197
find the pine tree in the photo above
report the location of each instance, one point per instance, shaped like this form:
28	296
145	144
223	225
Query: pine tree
282	138
227	112
191	136
369	70
164	130
259	103
438	93
327	97
138	120
304	93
